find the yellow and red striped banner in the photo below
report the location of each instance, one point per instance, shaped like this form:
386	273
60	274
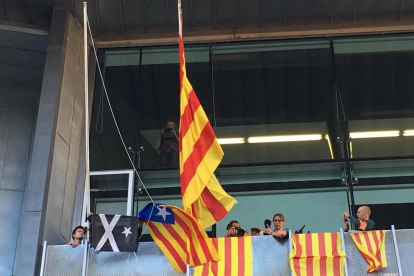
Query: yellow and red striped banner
183	242
235	258
200	154
371	244
318	254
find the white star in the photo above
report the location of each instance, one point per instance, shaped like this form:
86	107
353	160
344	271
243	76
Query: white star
127	231
163	212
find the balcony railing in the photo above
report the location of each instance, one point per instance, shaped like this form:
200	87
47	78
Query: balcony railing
269	256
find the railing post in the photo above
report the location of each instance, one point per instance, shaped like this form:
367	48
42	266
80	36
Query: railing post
290	250
85	258
187	273
343	249
397	253
42	267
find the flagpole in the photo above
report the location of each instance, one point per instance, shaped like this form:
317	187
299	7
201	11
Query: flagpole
86	195
180	35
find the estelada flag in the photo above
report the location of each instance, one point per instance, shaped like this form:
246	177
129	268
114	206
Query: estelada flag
114	233
371	244
318	254
179	236
200	154
235	258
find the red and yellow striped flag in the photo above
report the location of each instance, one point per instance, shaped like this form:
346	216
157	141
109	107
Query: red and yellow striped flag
182	242
317	254
371	244
200	154
235	258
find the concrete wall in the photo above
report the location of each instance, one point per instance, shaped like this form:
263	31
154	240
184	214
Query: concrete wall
49	200
18	109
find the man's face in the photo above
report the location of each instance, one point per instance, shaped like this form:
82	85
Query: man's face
235	225
278	221
362	213
79	234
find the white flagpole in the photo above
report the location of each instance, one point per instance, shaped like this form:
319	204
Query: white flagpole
86	201
180	33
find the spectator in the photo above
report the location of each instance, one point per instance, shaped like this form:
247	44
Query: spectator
234	230
167	145
77	235
280	231
362	222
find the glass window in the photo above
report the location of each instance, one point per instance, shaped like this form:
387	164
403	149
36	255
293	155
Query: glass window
375	77
271	95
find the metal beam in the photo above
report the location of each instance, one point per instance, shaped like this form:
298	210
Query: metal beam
401	9
378	9
354	20
303	31
260	13
98	15
27	11
122	16
169	17
4	9
284	12
215	15
308	7
144	7
238	13
332	8
192	15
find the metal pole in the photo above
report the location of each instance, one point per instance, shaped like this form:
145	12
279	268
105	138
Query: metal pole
42	268
187	273
290	250
397	253
85	258
87	180
343	249
344	138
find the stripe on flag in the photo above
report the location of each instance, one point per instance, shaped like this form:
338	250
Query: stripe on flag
371	244
235	258
317	254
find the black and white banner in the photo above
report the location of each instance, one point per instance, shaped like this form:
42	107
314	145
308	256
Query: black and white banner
114	233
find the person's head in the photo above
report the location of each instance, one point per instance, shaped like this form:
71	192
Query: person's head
278	221
78	233
171	125
363	213
233	224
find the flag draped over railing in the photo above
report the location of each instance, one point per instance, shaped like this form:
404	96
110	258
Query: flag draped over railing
371	244
317	254
200	154
235	258
178	235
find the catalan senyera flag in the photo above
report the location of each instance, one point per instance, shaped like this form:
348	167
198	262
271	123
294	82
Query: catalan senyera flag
318	254
200	154
179	236
235	258
371	244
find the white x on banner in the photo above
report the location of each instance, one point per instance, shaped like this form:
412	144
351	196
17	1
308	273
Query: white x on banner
108	233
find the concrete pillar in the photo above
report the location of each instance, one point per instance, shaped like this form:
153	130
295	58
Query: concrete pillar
49	200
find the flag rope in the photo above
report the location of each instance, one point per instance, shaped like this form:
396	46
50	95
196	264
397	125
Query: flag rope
115	122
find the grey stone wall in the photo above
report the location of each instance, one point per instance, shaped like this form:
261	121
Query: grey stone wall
49	200
18	108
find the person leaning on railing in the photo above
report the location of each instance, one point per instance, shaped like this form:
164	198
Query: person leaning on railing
77	235
362	222
279	231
